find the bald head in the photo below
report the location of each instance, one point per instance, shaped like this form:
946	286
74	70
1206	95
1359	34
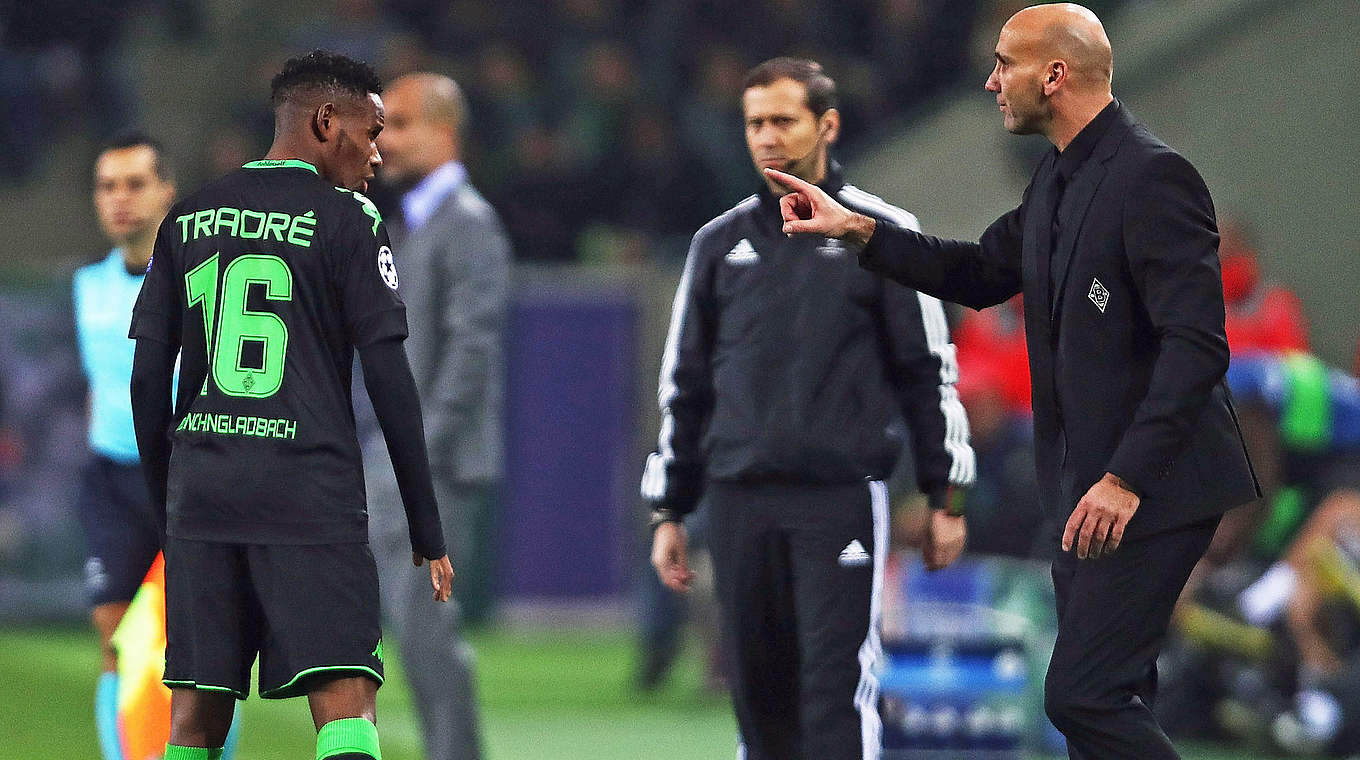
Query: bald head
1072	34
425	115
440	99
1053	71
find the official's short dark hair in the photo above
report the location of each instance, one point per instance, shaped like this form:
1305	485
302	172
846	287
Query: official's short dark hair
135	138
821	89
325	73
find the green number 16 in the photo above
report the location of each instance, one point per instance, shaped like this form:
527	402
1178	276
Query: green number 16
257	373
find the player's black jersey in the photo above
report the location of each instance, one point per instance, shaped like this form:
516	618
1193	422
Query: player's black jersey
268	279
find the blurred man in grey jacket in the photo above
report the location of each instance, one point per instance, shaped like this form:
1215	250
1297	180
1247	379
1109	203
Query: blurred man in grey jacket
454	261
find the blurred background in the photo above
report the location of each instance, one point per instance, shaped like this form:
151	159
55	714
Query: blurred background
605	132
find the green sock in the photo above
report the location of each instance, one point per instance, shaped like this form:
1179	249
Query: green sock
350	737
173	752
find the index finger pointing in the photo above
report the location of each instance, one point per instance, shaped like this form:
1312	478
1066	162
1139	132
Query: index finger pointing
787	180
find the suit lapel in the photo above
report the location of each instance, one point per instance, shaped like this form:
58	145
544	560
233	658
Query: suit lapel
1078	197
1078	202
1036	240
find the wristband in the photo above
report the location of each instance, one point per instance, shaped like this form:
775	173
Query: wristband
662	515
945	501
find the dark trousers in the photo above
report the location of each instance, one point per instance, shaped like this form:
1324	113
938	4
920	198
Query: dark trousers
799	570
1113	615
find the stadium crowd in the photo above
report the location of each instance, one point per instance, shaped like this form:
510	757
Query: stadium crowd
593	120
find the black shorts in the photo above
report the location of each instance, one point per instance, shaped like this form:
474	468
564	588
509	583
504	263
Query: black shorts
309	611
120	532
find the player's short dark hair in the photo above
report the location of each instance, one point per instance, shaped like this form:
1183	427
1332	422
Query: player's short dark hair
821	89
322	72
136	138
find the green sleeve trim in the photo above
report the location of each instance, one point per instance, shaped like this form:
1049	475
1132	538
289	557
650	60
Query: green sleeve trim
202	687
281	163
284	691
176	752
347	736
1306	419
367	205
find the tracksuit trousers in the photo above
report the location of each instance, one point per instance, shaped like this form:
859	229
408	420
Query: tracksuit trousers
799	575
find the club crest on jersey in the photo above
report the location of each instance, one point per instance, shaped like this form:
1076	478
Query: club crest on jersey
387	267
743	254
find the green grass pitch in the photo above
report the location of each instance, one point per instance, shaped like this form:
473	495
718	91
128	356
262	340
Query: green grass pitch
546	695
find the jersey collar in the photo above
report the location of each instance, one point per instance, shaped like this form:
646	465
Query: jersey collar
281	163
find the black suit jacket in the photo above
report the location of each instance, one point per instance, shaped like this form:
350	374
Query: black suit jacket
1128	352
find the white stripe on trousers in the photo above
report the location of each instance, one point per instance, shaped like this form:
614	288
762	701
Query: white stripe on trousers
871	651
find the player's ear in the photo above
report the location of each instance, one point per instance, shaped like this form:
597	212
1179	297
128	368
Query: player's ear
830	125
323	122
1055	76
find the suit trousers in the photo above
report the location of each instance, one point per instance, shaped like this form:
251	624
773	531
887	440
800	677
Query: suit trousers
799	572
1113	615
428	634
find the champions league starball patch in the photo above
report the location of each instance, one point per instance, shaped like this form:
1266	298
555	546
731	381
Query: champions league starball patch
387	267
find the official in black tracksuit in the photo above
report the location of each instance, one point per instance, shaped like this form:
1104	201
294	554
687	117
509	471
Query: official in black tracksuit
788	374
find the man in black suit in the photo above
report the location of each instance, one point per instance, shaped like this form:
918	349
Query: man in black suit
1115	248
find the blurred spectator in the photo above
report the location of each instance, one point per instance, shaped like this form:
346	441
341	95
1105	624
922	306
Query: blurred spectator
57	67
564	78
991	343
542	199
1264	652
1309	446
1002	507
1261	317
595	120
505	97
659	186
920	46
711	123
360	29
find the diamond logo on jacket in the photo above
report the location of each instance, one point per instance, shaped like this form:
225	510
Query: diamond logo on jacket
743	254
1099	295
853	555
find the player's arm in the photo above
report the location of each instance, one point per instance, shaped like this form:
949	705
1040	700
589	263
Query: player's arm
153	372
155	325
156	320
673	479
375	319
977	275
1172	244
392	389
925	369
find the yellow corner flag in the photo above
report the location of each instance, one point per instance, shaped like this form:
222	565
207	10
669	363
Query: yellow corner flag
143	701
